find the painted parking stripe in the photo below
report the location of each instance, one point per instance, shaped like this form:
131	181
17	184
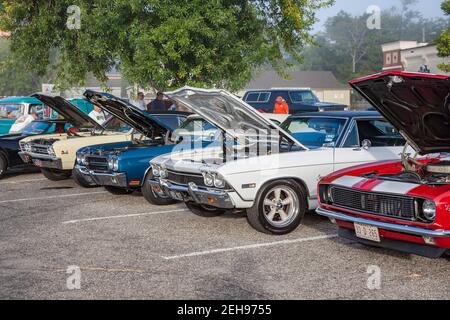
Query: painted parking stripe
54	197
250	246
124	216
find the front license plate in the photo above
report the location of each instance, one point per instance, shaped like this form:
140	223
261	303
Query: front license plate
364	231
38	163
176	195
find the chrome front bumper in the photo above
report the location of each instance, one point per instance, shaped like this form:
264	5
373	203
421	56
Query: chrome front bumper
41	160
200	195
115	179
384	225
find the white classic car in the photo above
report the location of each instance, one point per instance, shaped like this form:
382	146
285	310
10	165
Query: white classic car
269	171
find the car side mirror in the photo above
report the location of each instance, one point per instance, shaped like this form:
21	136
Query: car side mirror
366	144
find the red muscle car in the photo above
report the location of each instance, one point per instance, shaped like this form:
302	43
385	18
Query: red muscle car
402	205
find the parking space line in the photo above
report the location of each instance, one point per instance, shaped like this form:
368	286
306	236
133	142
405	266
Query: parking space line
53	197
250	246
124	216
21	181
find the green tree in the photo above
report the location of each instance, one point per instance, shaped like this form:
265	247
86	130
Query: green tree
443	43
349	49
162	44
14	78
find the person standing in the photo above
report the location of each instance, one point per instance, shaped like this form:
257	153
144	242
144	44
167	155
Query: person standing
98	115
280	107
140	103
158	104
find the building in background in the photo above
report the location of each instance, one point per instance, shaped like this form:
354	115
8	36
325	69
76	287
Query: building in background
323	83
411	56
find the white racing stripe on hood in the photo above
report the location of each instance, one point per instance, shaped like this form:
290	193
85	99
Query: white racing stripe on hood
347	181
395	187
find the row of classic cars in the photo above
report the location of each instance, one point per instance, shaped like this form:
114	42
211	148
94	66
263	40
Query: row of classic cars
230	158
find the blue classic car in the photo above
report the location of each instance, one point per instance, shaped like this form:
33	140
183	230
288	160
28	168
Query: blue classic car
121	167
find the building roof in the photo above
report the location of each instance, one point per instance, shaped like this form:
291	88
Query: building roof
297	79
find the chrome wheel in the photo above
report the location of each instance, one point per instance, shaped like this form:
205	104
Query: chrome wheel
280	206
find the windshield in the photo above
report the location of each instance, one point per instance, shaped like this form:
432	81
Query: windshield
116	125
315	132
11	110
303	96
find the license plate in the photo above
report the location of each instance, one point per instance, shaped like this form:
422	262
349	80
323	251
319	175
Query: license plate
176	195
38	163
364	231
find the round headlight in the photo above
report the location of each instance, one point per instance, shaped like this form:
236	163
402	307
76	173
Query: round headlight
27	147
163	173
50	151
219	182
84	160
116	164
155	170
111	163
79	159
209	179
429	209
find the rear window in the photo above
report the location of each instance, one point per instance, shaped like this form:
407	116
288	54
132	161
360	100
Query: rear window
257	97
302	96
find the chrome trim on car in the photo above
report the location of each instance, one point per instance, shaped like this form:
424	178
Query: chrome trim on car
116	179
384	225
198	194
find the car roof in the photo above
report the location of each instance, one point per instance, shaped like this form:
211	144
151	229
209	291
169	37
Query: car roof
20	100
345	114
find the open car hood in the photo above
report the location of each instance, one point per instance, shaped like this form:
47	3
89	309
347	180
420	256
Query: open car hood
71	113
227	112
417	105
126	112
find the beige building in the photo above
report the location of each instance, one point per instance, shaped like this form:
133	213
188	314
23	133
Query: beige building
411	56
323	83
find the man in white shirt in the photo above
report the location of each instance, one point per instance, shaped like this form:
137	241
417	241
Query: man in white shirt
22	122
98	115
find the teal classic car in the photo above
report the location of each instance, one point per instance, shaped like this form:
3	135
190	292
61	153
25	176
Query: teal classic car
13	108
14	112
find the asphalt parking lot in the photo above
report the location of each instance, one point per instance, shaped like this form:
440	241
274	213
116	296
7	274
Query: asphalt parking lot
129	249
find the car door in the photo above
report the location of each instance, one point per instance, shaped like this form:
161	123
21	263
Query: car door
368	140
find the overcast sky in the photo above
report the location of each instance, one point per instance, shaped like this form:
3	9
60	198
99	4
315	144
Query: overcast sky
429	8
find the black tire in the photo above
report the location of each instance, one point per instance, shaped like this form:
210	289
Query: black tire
204	210
152	197
118	191
81	181
56	175
3	166
256	215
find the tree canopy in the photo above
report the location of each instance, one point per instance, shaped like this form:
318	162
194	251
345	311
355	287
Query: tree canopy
161	44
443	43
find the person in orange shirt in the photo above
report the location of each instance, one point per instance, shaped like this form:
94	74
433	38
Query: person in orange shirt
281	107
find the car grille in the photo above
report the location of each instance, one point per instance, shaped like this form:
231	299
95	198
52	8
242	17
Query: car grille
185	179
97	164
39	149
374	203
